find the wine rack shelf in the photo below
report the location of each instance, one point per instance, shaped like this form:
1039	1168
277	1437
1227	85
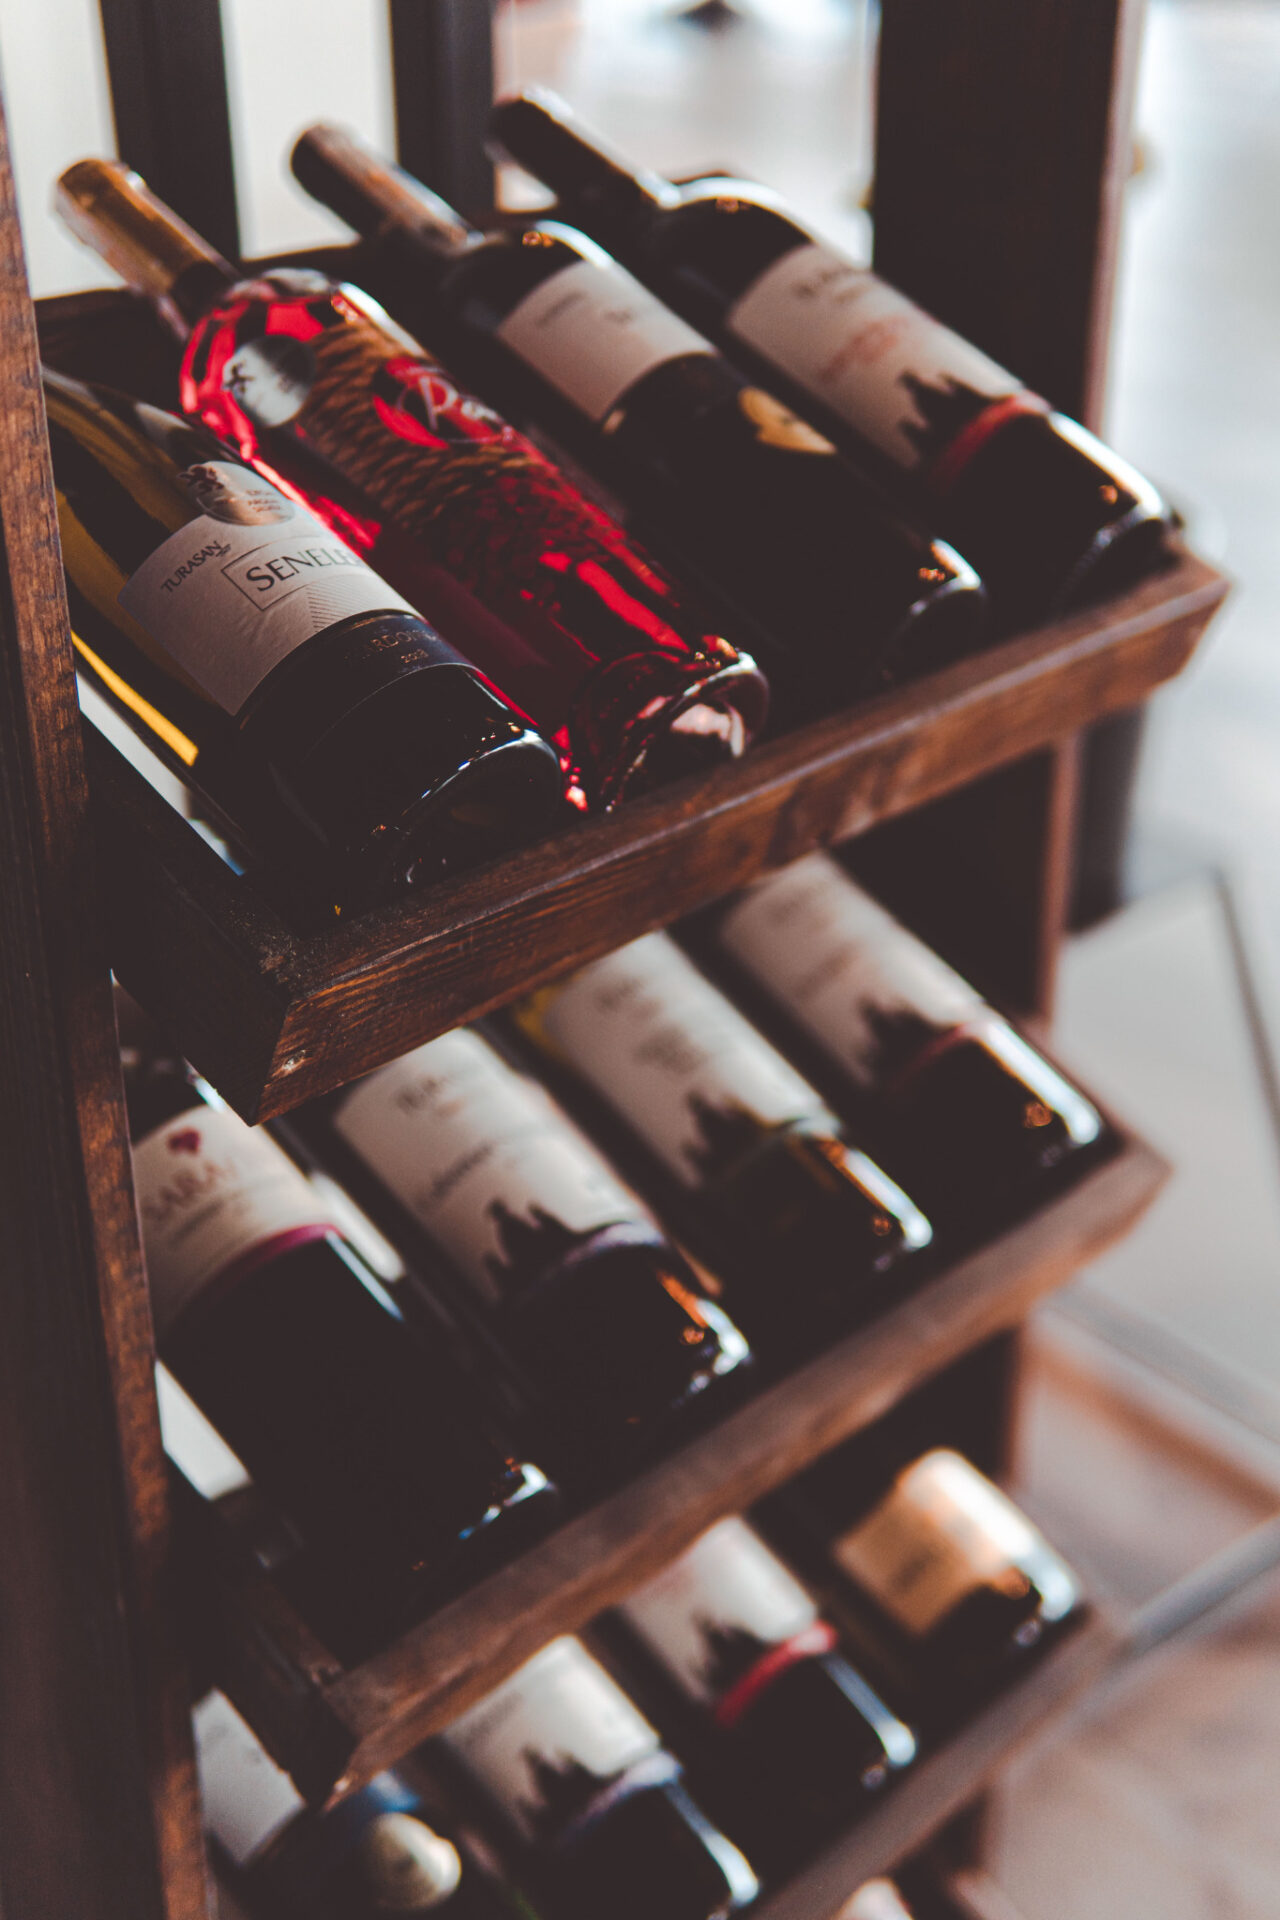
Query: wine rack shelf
333	1729
1004	225
948	1779
273	1014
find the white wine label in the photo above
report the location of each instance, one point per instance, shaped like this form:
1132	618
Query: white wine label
211	1193
715	1613
237	589
593	331
875	1900
868	353
840	965
553	1739
245	1797
940	1533
670	1053
485	1159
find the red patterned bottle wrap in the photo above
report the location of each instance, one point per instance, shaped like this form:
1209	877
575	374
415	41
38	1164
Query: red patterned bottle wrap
315	381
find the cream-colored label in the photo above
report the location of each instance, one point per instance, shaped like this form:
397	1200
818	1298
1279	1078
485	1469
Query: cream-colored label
246	1800
593	331
664	1047
552	1738
211	1190
485	1159
237	589
868	353
940	1533
841	965
713	1613
875	1900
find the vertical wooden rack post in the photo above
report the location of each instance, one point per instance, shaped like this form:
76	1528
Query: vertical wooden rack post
1003	137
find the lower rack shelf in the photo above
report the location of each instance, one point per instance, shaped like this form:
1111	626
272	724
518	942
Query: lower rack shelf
334	1728
947	1779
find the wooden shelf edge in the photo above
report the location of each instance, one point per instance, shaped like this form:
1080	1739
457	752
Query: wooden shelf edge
373	1714
947	1780
274	1016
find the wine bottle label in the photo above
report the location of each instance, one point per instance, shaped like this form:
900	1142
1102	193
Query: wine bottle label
215	1197
553	1742
254	576
940	1533
665	1047
843	967
593	331
245	1798
485	1159
715	1613
875	1900
868	353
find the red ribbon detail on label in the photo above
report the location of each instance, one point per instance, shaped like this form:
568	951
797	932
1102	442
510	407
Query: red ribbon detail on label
816	1640
953	460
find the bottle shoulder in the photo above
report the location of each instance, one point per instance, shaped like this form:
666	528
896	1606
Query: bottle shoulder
492	278
722	234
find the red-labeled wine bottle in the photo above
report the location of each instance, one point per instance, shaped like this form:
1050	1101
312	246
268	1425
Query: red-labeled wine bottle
348	1418
378	1851
1047	514
797	1738
309	378
252	649
566	336
949	1586
975	1121
800	1223
455	1152
582	1784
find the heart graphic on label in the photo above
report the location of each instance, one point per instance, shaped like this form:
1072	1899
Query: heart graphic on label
188	1141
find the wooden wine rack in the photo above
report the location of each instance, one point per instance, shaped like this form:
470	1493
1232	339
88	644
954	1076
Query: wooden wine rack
1003	145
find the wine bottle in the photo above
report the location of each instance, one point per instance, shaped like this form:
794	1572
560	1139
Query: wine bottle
580	1779
1047	514
773	516
975	1121
799	1738
541	589
570	1271
375	1852
810	1224
948	1583
234	631
347	1417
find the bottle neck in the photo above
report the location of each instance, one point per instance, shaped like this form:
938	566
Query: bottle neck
541	134
112	210
377	199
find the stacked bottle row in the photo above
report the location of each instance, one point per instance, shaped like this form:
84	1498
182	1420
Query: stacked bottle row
549	1321
560	1793
348	584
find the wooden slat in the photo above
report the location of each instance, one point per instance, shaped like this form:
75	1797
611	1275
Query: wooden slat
168	77
442	67
382	1708
96	1780
944	1782
274	1016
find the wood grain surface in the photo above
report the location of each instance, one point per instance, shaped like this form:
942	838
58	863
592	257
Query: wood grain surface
274	1015
96	1777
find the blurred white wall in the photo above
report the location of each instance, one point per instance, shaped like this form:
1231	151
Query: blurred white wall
280	79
